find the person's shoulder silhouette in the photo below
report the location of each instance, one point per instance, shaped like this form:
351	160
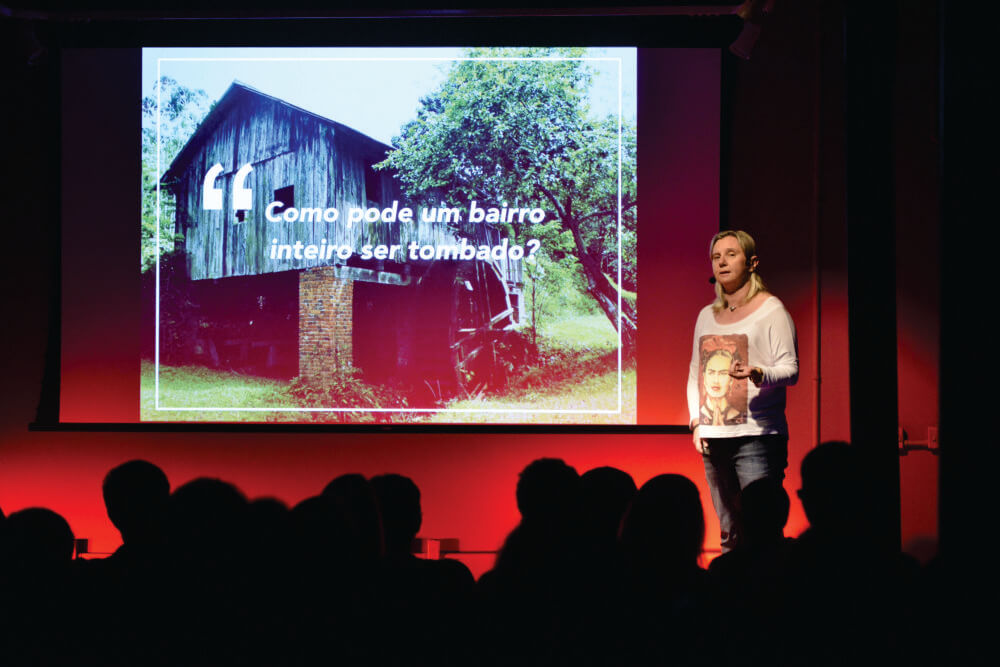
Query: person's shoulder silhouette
402	516
839	569
536	552
764	505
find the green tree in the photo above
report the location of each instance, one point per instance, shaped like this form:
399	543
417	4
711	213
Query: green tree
181	110
519	131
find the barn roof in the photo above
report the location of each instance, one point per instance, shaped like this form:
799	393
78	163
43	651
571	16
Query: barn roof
236	92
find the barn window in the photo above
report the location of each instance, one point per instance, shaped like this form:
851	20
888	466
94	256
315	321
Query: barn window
241	215
286	196
371	184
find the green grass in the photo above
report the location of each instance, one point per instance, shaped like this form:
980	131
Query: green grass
580	332
198	387
594	393
576	369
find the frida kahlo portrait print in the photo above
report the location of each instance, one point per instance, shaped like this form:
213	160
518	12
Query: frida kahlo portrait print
723	397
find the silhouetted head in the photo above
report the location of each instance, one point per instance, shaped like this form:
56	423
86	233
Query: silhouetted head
833	487
765	506
665	525
321	535
136	495
399	502
606	493
351	497
267	515
269	525
36	538
207	517
548	491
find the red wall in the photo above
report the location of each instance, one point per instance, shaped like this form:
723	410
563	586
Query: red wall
918	263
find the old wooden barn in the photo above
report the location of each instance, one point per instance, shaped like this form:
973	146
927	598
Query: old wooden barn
425	322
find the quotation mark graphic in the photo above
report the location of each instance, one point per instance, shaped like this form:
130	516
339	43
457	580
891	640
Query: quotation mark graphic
211	198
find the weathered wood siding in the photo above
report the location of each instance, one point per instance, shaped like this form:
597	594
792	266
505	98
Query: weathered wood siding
323	160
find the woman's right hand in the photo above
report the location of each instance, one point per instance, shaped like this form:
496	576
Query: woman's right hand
699	444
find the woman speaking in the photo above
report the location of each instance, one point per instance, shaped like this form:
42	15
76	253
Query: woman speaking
744	356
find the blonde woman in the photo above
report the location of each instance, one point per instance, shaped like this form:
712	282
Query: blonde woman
737	413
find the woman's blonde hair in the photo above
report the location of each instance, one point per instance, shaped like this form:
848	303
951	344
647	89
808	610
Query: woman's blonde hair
749	248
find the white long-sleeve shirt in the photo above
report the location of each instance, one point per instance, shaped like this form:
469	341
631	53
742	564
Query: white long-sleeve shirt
726	407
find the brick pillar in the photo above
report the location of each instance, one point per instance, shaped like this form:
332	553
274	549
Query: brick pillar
325	323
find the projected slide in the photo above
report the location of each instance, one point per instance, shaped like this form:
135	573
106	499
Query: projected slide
389	235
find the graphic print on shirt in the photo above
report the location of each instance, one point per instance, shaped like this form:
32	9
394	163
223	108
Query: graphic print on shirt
723	397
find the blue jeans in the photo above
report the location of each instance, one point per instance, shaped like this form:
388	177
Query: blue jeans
731	464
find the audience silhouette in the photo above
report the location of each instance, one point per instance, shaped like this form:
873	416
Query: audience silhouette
136	496
746	578
662	539
596	572
845	598
36	589
130	588
423	602
210	587
532	600
269	558
352	498
605	494
36	540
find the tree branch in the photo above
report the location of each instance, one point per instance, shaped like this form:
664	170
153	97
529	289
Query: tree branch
597	214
